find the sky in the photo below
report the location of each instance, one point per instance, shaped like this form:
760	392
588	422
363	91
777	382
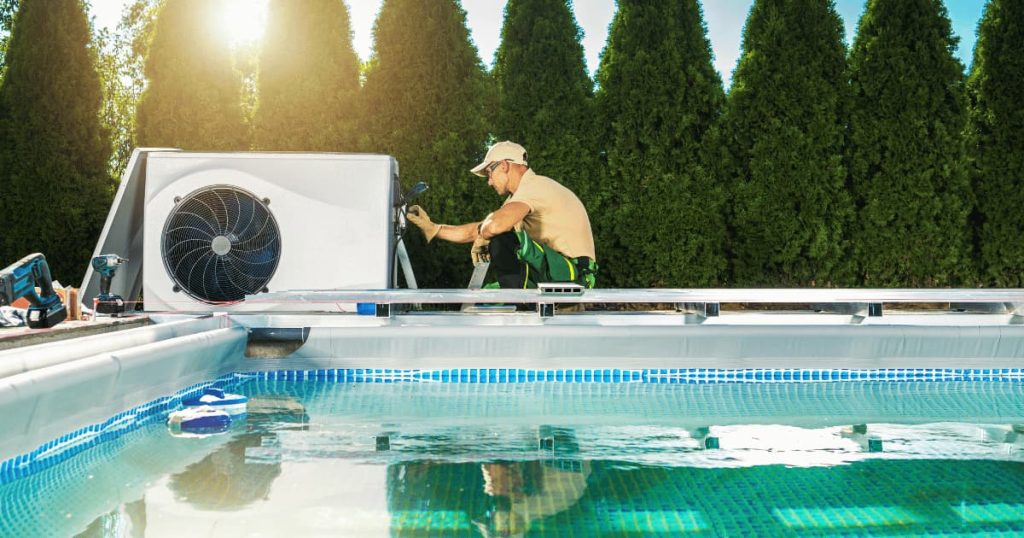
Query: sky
725	19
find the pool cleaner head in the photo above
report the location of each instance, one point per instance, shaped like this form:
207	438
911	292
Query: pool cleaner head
201	421
232	404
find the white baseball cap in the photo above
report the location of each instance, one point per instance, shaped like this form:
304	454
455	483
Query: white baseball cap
501	151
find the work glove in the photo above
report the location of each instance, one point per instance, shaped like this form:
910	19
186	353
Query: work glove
421	219
481	251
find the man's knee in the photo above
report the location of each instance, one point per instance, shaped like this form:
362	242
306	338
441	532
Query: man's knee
503	248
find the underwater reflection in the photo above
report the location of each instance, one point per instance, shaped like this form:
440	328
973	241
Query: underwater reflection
125	521
227	478
224	480
497	498
525	492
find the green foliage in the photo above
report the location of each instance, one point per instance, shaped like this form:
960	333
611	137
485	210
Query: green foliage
906	157
782	148
7	10
308	78
53	150
544	91
424	102
121	66
659	214
193	97
996	134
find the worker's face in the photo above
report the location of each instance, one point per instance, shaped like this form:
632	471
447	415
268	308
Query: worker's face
497	177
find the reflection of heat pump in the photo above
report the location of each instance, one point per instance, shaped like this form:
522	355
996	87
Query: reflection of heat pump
221	226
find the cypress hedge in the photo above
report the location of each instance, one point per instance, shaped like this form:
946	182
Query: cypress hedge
425	97
193	97
54	187
659	218
544	91
996	132
906	153
784	138
308	79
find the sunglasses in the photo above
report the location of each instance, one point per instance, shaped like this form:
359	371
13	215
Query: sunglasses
492	167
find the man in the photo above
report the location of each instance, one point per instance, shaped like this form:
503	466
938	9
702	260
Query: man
541	233
528	491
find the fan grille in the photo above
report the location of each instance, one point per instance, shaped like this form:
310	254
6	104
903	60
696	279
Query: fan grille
220	244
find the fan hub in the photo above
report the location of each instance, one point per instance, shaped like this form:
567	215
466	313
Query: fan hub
221	245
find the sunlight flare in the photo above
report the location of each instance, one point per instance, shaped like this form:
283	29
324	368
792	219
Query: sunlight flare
243	21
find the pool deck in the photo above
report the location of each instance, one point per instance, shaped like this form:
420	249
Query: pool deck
14	337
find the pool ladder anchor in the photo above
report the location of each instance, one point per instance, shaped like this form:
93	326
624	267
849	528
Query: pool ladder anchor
707	441
859	434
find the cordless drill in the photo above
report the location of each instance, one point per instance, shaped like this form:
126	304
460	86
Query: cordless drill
106	265
21	279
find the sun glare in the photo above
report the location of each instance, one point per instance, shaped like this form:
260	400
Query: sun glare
243	20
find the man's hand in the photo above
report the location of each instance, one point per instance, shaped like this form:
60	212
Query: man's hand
421	219
481	251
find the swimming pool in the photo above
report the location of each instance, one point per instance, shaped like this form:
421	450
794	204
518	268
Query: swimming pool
422	453
829	419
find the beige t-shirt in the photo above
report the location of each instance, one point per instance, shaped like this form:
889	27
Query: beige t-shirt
557	218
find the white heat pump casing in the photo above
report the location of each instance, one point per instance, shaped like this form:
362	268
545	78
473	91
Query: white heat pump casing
334	213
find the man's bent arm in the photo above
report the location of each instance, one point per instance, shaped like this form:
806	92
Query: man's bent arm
496	223
458	233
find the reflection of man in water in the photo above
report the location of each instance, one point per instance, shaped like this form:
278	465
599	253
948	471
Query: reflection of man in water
527	491
224	479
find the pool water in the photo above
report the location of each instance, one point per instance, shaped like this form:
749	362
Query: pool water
324	458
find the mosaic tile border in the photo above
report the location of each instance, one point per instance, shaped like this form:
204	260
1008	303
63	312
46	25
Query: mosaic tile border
68	445
660	376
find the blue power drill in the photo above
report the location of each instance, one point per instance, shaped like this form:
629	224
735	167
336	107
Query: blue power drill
106	303
21	279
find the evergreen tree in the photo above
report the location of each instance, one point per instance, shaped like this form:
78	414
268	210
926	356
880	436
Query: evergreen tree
193	96
54	187
122	54
996	89
308	78
544	91
425	93
658	95
907	166
784	134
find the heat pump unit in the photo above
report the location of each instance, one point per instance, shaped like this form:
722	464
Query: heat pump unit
220	227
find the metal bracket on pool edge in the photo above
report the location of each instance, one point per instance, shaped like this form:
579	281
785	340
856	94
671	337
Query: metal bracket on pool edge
556	289
858	310
704	310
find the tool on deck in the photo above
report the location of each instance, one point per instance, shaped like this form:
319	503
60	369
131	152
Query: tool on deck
21	279
106	303
476	281
479	272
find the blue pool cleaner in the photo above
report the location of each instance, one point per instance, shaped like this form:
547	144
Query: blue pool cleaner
198	420
232	404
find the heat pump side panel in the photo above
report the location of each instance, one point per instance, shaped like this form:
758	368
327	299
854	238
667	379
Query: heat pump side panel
333	212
